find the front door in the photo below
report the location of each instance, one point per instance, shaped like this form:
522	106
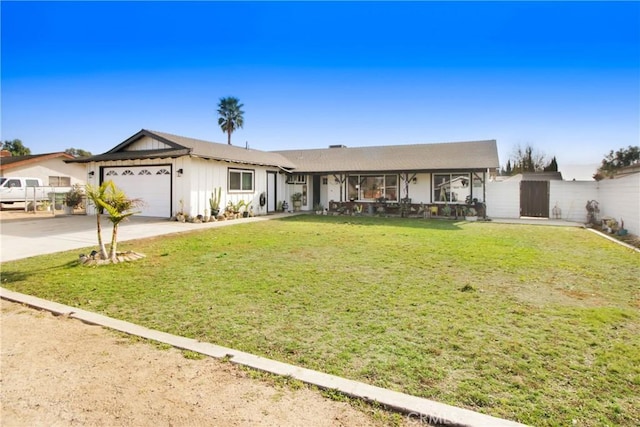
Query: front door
316	190
271	192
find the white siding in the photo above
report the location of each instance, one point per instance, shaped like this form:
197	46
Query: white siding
52	167
146	143
201	177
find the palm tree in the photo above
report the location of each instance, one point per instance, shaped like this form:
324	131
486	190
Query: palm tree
230	118
119	207
96	196
112	199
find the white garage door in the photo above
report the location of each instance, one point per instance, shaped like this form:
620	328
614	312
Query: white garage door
151	184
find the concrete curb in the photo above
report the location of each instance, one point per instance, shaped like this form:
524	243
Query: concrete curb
613	239
423	410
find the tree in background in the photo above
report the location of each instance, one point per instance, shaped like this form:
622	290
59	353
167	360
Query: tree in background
615	161
77	152
552	166
231	116
526	159
16	148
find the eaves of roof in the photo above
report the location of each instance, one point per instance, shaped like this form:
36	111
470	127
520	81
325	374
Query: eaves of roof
133	155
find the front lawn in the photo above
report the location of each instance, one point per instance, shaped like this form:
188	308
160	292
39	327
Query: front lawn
536	324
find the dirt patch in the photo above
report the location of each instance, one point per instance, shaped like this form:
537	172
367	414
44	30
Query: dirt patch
59	371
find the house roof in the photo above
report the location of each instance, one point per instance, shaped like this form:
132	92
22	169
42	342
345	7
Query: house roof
11	162
415	157
473	155
177	146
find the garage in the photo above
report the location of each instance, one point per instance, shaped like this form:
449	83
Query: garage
150	183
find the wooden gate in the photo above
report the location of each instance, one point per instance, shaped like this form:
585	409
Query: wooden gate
534	198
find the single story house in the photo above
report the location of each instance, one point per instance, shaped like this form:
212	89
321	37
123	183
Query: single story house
172	173
51	168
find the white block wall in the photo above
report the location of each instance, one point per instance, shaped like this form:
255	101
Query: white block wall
620	198
503	199
572	197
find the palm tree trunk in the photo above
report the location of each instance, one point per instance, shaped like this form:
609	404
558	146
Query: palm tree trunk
229	136
103	249
114	243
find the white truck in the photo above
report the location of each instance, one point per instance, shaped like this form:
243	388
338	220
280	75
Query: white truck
27	190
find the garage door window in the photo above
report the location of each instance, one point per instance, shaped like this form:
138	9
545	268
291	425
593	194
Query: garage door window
240	180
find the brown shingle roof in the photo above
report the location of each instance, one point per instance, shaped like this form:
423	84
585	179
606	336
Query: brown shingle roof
474	155
226	152
415	157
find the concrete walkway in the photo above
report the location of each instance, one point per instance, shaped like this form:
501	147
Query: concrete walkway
26	238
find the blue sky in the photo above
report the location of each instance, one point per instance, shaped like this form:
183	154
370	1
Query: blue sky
563	77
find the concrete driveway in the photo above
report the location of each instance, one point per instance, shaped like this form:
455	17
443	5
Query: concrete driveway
23	238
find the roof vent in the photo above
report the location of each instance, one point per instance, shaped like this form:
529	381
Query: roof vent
338	146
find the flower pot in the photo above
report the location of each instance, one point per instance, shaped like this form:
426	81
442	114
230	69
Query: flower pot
297	204
68	210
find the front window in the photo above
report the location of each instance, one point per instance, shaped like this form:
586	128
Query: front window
451	187
373	187
60	181
241	180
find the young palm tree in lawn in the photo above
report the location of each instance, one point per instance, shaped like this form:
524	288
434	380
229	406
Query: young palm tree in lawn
119	207
231	116
116	203
95	196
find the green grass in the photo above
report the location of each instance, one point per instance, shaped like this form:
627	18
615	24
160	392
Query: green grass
530	323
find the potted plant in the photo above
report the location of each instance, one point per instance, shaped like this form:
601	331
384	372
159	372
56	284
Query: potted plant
247	209
73	198
214	202
446	211
318	208
296	200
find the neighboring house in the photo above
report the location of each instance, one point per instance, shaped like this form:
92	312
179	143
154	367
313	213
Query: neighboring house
51	168
172	173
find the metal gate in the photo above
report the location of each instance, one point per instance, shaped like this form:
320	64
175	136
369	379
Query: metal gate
534	198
